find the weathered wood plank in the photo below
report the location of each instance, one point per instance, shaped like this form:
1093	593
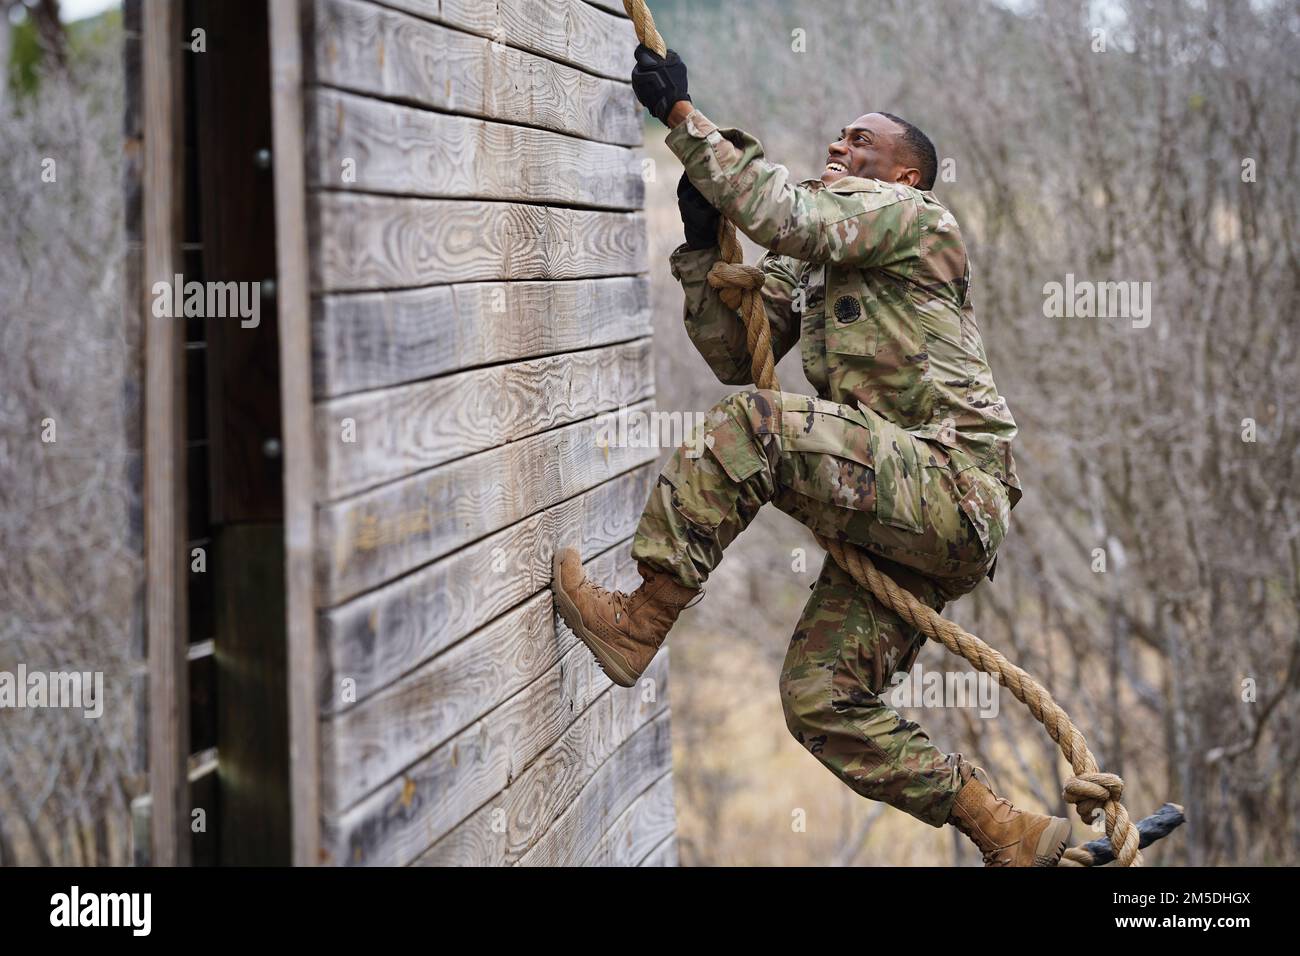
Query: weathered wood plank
384	533
639	829
371	145
546	810
372	742
613	6
573	712
567	30
164	440
665	854
385	338
291	250
571	31
399	431
632	769
380	52
403	817
368	242
379	636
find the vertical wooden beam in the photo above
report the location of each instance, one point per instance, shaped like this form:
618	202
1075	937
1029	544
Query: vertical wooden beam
232	105
164	440
288	165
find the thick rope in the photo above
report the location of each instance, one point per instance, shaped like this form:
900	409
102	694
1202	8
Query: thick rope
1089	790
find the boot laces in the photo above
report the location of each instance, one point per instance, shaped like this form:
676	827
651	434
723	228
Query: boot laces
617	599
995	856
983	776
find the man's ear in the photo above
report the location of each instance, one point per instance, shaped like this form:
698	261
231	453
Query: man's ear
910	177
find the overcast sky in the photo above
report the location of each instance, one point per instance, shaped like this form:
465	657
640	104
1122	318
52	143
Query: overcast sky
76	9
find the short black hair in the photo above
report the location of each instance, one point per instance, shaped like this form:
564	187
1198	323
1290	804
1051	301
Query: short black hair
920	151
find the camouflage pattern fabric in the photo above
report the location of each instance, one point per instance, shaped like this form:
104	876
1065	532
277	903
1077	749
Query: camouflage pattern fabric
841	471
872	279
834	687
906	451
934	525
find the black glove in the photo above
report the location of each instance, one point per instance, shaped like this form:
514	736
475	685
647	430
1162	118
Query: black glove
699	218
658	81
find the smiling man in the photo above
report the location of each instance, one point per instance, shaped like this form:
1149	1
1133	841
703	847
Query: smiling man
905	451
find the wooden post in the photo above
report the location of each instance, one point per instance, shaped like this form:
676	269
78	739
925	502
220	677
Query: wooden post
164	445
288	164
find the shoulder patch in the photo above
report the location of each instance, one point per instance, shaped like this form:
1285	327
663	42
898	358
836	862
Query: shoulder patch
847	308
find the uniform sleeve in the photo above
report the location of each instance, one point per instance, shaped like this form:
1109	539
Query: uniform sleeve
718	332
875	226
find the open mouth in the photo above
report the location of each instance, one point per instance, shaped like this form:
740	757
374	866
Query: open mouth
834	167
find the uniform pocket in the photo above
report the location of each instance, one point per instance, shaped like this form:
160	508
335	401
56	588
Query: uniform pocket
734	449
852	325
836	466
729	457
899	481
985	502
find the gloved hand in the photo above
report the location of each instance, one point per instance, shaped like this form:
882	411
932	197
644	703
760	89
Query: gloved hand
699	219
658	81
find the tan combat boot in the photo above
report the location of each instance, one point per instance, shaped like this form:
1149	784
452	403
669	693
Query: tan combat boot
624	631
1007	836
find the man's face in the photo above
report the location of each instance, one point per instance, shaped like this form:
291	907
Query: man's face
868	148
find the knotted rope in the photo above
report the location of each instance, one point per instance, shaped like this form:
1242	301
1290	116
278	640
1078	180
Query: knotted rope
1089	790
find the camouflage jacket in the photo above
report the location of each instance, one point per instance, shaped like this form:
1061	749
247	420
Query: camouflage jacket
871	277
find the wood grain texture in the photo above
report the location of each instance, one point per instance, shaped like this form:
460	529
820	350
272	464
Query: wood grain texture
164	441
480	310
382	242
590	814
292	256
640	829
665	854
381	534
392	729
376	339
613	6
396	432
379	636
571	31
371	145
380	52
558	729
475	769
559	812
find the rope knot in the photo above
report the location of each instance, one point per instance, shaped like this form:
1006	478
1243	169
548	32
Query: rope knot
1090	792
734	281
730	275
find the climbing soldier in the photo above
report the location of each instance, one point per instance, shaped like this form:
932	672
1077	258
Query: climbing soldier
906	451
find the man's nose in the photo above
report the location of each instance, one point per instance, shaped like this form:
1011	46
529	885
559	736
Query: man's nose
837	147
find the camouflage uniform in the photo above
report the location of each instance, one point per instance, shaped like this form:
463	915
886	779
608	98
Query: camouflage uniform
905	452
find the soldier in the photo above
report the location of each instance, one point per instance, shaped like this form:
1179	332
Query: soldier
906	451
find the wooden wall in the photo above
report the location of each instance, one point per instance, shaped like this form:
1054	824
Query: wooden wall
480	307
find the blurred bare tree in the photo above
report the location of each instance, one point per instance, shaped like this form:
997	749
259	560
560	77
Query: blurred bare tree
1130	141
70	565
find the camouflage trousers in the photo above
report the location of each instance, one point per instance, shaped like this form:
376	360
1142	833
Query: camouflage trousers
930	520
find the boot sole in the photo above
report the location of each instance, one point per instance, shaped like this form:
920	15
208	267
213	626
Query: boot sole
1052	842
614	670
